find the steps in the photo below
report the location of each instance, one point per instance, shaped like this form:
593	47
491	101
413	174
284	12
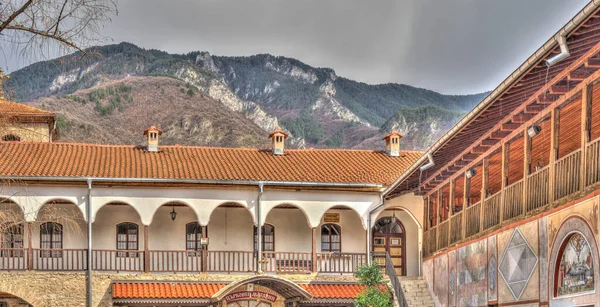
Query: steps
416	292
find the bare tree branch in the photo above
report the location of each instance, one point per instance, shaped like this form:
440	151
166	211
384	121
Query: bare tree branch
15	14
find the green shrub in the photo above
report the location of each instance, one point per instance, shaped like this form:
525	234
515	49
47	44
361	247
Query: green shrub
190	92
374	295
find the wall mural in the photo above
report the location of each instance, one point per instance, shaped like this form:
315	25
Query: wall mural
576	268
471	267
518	263
452	276
492	269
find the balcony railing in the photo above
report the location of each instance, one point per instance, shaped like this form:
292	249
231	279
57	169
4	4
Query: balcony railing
567	172
491	211
512	202
173	261
537	189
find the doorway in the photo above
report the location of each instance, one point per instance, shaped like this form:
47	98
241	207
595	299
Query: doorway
389	236
249	304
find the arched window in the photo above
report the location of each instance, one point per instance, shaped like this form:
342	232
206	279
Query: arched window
388	225
331	238
127	239
11	138
268	238
575	267
193	236
12	241
51	240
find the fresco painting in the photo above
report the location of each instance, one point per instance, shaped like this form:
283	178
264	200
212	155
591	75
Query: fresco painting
576	268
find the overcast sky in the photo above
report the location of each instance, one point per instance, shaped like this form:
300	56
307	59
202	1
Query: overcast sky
450	46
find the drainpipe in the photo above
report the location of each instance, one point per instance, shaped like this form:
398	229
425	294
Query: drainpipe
259	228
88	210
564	50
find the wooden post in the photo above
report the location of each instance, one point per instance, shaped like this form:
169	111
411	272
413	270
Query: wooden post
466	196
554	145
505	172
451	196
440	209
146	251
204	233
586	123
526	169
314	250
484	189
29	246
427	212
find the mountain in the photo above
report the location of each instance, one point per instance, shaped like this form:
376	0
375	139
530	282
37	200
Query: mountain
202	99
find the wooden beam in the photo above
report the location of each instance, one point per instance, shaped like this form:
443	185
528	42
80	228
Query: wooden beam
505	172
546	98
314	250
510	127
499	134
534	108
480	149
559	89
578	75
146	249
451	198
465	205
586	123
522	118
592	63
490	142
470	156
484	189
554	145
526	167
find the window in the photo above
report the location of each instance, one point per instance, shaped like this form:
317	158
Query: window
193	234
268	238
51	240
331	239
127	239
11	138
12	241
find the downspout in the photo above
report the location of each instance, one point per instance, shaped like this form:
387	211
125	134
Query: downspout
564	50
259	228
88	213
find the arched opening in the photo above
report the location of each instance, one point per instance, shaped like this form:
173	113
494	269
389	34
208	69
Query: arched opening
13	240
389	236
341	230
231	246
175	239
119	238
9	300
11	138
574	273
288	290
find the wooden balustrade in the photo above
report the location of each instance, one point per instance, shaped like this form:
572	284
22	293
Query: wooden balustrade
118	260
231	261
59	259
491	211
443	234
430	241
567	170
12	259
513	200
538	189
592	162
287	262
456	227
340	262
473	216
175	261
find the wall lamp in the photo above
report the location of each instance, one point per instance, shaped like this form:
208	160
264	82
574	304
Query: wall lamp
534	130
470	173
173	214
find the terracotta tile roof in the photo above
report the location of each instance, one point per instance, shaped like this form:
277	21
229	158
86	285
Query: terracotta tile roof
13	108
23	159
333	291
181	290
167	290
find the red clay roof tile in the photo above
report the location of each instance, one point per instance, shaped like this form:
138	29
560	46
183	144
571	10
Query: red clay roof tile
13	108
23	159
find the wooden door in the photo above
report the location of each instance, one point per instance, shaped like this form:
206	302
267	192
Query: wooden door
389	237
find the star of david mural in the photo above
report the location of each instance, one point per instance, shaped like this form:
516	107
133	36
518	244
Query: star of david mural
517	264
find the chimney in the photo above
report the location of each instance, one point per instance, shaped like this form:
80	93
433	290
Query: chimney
392	144
278	141
152	133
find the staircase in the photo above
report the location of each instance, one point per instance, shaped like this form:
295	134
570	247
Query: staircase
415	291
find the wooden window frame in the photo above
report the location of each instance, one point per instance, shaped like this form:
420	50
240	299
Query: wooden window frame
14	248
330	236
53	251
196	247
133	252
255	236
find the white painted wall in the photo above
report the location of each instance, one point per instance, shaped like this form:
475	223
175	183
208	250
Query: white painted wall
292	232
354	237
231	229
104	229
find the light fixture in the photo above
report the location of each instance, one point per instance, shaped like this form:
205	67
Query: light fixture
470	173
173	214
533	131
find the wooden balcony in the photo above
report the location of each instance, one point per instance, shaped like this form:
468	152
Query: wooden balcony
171	261
512	202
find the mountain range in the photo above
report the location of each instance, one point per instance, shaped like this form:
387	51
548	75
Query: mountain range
203	99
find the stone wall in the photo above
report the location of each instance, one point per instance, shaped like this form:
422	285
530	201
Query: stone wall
55	289
27	132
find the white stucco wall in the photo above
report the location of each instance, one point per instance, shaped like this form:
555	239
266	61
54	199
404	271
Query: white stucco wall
354	236
231	229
